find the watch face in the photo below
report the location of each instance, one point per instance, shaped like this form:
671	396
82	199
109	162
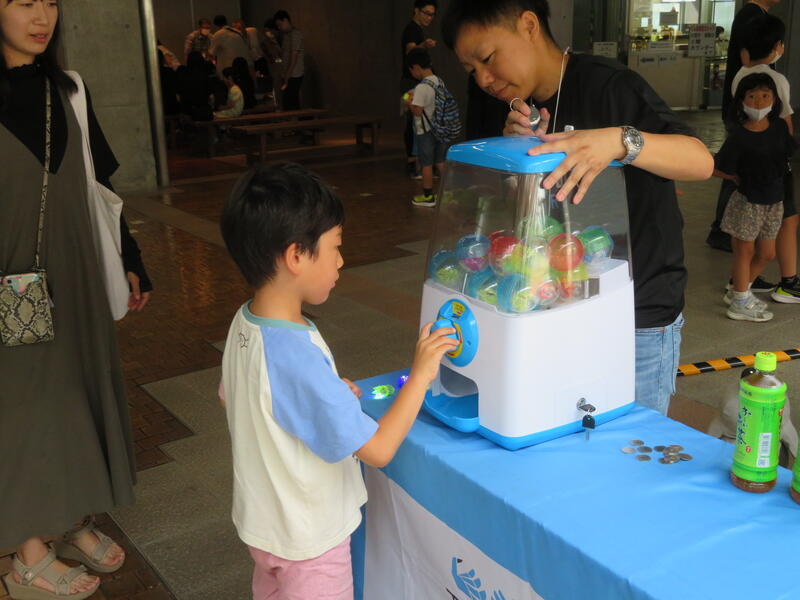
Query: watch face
633	137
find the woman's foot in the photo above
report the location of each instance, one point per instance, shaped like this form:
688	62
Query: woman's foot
34	551
87	542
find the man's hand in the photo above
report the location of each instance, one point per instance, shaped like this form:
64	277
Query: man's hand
137	299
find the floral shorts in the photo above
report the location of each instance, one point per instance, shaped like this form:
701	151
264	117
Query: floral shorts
747	221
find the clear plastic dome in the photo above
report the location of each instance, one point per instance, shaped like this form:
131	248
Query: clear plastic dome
503	240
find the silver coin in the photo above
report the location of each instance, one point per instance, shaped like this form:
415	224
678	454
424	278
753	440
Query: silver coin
628	450
675	447
685	456
668	460
643	457
659	448
637	443
644	449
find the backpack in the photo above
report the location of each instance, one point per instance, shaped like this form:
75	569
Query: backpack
445	124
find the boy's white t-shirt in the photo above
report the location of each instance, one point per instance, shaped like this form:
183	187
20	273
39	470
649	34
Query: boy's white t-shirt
425	96
781	83
294	425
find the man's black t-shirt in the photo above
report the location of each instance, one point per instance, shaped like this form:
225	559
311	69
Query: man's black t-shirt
596	93
758	158
741	21
412	34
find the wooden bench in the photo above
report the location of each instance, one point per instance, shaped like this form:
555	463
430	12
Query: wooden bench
288	115
361	122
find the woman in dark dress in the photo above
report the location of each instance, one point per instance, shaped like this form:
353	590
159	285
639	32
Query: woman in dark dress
64	425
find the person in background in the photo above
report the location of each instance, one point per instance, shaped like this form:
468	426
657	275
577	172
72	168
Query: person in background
169	86
220	21
764	47
235	103
170	60
754	158
198	41
717	238
272	51
257	42
293	59
194	88
242	78
413	37
228	44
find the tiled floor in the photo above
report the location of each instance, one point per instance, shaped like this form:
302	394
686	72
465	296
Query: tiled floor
181	521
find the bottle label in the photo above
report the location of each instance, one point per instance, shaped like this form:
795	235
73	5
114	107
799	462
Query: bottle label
758	432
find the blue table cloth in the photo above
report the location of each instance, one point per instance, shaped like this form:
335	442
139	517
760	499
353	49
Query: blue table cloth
581	519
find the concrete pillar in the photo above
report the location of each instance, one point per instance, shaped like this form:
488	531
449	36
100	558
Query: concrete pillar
103	42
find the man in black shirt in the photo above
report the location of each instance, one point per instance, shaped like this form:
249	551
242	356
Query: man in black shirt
508	47
414	37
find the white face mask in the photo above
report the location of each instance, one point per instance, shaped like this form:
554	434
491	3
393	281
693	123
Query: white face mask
756	114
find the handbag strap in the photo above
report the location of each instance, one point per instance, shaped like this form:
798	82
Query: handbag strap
47	141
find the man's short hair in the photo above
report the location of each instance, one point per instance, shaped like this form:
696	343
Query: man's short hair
220	20
202	22
420	4
418	56
228	72
281	15
485	14
762	33
272	208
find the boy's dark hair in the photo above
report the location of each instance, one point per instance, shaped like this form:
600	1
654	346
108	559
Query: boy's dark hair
752	82
270	24
418	56
228	72
220	21
420	4
483	13
762	34
272	208
281	15
203	21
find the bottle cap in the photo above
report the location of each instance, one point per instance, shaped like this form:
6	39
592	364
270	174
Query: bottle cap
766	361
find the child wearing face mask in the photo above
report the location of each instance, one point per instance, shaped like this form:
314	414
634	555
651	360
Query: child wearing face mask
754	157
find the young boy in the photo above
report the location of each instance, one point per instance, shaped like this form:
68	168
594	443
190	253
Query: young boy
508	47
430	151
235	103
295	425
764	45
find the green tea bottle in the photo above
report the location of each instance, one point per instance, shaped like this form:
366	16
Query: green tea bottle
758	431
794	489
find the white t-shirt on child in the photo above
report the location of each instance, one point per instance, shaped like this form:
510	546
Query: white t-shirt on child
425	96
297	489
781	83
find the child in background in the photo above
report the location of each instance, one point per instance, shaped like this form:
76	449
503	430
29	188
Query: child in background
296	428
235	104
764	46
754	157
422	104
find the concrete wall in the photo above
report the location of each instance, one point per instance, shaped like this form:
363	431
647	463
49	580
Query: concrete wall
103	42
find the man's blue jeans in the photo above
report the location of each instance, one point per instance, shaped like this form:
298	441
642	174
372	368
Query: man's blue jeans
658	352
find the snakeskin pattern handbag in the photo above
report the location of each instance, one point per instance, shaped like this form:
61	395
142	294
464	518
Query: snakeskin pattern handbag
25	316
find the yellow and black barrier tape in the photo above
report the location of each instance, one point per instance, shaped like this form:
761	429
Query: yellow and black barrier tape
735	362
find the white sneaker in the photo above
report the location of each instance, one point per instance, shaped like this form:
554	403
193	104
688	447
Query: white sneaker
727	298
748	312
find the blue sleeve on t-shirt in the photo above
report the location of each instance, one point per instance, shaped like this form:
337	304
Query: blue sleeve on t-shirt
309	400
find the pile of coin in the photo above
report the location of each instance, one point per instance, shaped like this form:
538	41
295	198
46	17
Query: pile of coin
670	454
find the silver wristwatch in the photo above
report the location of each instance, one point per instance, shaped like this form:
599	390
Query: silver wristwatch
633	142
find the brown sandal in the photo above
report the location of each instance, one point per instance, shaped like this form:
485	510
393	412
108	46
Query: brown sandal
66	548
62	582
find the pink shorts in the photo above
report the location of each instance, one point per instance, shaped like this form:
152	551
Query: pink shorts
326	577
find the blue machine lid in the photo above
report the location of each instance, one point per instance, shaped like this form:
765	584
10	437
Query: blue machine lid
508	153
